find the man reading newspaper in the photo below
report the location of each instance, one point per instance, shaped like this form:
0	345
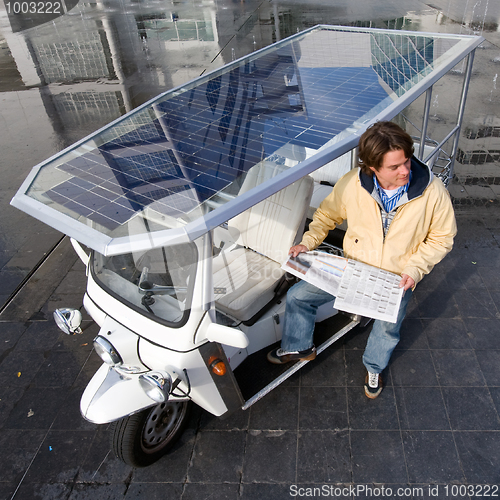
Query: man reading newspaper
400	218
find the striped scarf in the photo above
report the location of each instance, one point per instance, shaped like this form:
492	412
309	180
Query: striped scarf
390	203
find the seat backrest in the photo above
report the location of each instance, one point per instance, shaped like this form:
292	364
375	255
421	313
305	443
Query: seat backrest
270	227
427	151
334	170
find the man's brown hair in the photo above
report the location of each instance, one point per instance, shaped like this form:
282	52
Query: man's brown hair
379	139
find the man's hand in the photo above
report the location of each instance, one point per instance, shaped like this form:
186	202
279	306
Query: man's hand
406	282
294	251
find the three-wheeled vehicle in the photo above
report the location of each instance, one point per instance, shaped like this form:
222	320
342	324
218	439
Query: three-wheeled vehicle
189	204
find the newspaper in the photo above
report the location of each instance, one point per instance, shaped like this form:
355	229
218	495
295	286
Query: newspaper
358	288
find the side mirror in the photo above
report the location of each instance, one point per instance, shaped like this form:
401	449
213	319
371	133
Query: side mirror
226	335
68	320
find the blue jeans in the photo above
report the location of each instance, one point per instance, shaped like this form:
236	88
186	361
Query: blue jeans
302	302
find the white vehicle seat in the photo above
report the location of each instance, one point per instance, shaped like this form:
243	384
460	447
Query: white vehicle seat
427	151
329	175
326	176
250	271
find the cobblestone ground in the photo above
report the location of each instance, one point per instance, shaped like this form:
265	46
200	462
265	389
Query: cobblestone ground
436	422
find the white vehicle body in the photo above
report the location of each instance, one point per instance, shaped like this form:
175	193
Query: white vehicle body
190	203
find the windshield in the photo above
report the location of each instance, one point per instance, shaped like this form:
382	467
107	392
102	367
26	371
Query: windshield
158	283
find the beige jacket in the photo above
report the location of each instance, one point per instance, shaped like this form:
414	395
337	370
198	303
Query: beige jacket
419	236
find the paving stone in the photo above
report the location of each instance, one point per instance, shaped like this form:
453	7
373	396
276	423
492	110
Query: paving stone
217	457
278	410
9	397
61	369
355	370
457	367
379	413
10	333
482	333
10	279
323	457
446	334
18	369
328	369
100	464
421	408
471	408
437	304
412	335
37	408
68	416
356	339
259	491
270	456
238	420
384	463
29	255
75	282
475	304
101	491
221	491
414	369
172	467
431	457
491	277
489	361
19	448
323	408
495	395
39	336
43	491
479	454
8	489
60	456
154	491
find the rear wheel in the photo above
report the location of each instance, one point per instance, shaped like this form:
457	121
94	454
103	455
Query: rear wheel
141	439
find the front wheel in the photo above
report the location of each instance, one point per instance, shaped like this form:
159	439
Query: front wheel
141	439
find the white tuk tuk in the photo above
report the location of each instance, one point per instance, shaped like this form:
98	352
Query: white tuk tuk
189	204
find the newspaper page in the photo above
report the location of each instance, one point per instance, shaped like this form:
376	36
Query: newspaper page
321	269
369	291
358	288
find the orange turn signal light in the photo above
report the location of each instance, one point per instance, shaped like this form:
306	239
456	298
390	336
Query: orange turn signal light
217	366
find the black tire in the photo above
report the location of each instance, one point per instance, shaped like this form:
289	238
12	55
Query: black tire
141	439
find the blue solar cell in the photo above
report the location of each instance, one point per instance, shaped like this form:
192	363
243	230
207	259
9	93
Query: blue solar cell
189	144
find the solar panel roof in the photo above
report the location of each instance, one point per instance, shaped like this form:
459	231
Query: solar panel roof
176	163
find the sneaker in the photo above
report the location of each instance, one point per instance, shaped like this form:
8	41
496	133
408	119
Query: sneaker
280	357
373	385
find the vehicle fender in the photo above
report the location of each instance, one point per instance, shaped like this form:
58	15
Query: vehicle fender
110	396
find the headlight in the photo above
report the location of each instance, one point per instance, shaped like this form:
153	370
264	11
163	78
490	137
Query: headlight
106	351
156	385
68	320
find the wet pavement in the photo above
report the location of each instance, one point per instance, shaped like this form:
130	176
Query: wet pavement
437	422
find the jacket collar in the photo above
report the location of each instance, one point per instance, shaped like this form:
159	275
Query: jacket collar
421	177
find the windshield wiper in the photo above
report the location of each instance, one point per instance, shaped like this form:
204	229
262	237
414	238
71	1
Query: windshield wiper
147	287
